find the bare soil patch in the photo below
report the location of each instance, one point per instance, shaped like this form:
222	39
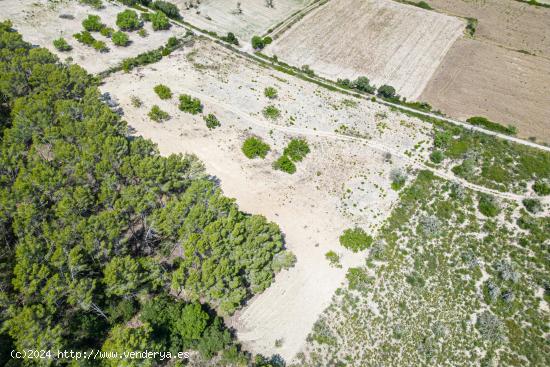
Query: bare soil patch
510	23
480	78
339	184
39	23
389	42
221	17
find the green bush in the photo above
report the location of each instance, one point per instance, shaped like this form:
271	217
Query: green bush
159	21
163	91
212	121
136	101
92	23
271	112
61	45
158	115
532	205
230	38
493	126
259	43
437	156
355	239
333	259
107	32
541	187
270	92
297	149
254	147
100	46
167	8
284	164
306	69
142	33
120	39
190	104
96	4
128	20
85	37
488	206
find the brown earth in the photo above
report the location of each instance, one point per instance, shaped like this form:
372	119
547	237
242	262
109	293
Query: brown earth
509	23
480	78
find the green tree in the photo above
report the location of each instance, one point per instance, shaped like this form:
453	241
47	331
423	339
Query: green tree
386	91
128	20
92	23
284	164
297	149
124	339
159	21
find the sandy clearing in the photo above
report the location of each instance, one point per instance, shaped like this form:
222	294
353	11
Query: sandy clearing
312	206
39	23
219	16
389	42
509	23
479	78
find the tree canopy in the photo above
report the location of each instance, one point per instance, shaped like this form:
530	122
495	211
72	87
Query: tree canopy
95	223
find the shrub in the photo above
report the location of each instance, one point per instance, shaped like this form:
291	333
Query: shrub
398	178
257	43
92	23
357	278
163	91
254	147
442	139
306	69
61	45
490	326
355	239
100	46
532	205
85	37
158	115
159	21
488	206
541	187
106	32
97	4
190	104
136	102
283	260
271	112
128	20
284	164
472	26
120	39
230	38
142	33
333	259
212	121
270	92
424	5
362	84
437	156
167	8
386	91
490	125
297	149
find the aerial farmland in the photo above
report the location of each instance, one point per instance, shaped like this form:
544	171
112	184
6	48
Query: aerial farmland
275	183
